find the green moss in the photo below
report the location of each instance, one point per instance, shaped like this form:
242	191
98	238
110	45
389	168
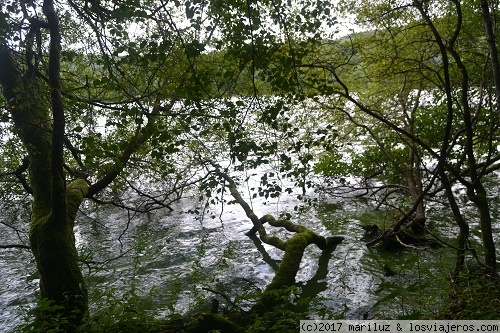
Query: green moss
75	193
53	245
294	249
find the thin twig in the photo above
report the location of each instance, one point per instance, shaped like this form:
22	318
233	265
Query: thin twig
226	298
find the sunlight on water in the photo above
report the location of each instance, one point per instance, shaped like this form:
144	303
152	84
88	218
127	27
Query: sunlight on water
168	257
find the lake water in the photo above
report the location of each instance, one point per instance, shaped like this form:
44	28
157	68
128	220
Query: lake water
166	258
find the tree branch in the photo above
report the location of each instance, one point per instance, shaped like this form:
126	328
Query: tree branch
58	126
15	246
20	176
135	143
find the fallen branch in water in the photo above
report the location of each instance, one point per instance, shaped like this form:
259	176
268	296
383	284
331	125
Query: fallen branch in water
396	239
294	247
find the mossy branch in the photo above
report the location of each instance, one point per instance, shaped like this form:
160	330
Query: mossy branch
76	191
293	247
312	237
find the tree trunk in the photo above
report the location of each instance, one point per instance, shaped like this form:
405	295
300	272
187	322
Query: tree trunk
478	196
54	206
413	166
463	234
414	182
53	245
490	37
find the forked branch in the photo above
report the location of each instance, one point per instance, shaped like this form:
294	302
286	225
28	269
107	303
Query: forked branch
294	247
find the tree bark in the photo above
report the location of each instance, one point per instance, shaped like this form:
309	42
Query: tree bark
51	228
53	245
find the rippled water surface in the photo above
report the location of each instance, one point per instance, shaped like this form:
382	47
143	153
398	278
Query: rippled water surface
168	257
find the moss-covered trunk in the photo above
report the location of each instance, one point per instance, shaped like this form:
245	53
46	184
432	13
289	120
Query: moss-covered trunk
53	245
39	123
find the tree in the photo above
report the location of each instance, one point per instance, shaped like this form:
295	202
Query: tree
57	92
443	61
97	96
96	106
54	204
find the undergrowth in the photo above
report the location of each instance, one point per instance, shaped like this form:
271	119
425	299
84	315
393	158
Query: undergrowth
476	297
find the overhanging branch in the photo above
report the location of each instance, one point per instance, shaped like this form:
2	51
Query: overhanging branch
135	143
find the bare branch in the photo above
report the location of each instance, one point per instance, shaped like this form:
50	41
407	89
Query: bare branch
15	246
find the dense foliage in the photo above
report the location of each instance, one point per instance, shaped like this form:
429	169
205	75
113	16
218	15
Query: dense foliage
137	103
